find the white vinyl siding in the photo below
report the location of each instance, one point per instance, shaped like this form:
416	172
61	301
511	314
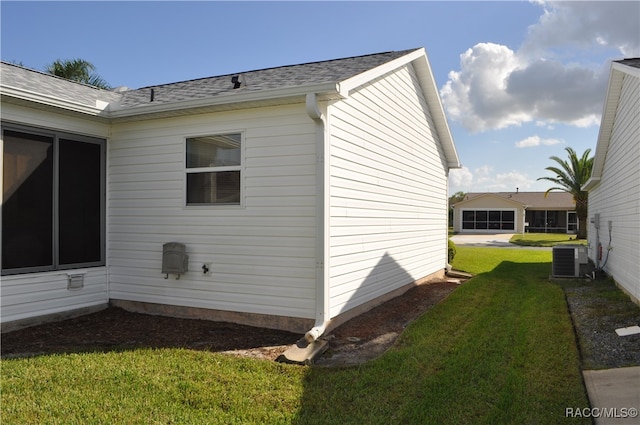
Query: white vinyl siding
617	197
37	294
261	254
388	191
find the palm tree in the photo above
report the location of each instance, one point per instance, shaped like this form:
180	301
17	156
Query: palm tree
570	177
78	70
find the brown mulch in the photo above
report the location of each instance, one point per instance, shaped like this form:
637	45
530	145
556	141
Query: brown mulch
112	329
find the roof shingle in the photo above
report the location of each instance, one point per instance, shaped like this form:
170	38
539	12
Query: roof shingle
330	71
533	200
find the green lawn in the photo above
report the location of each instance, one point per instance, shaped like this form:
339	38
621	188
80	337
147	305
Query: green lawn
499	350
545	239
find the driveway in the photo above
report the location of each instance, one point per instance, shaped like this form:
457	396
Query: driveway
500	240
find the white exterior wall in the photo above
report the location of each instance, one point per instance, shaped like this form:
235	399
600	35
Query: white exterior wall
388	192
617	197
38	294
261	254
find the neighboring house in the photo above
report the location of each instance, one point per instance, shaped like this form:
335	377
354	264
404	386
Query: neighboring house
516	212
614	186
302	194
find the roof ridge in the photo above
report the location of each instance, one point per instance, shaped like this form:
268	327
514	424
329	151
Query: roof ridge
407	51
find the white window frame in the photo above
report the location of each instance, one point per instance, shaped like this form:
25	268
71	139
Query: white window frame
197	170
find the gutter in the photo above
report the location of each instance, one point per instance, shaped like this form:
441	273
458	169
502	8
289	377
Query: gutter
322	189
113	110
222	99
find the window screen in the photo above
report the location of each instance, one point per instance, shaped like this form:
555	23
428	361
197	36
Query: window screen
53	201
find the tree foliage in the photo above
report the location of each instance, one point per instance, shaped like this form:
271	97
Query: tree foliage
571	176
453	199
78	70
456	197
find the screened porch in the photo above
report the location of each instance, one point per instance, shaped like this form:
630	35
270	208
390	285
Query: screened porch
551	221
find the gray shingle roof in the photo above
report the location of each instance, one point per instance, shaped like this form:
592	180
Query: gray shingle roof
532	200
29	80
331	71
633	62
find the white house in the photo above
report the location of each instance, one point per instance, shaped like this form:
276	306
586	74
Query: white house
302	195
614	186
516	212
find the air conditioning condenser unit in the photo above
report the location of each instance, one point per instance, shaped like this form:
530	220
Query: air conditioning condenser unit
568	259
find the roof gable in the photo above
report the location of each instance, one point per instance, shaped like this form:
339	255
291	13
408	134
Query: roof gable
472	197
619	70
529	200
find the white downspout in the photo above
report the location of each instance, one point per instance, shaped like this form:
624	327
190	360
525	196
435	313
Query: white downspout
322	218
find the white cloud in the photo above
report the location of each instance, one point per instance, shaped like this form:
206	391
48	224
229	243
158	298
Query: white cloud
484	171
543	81
484	179
476	95
533	141
460	177
508	181
613	25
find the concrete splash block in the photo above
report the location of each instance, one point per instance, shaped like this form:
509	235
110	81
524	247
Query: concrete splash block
631	330
303	352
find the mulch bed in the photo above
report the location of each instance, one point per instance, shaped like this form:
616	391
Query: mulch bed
360	339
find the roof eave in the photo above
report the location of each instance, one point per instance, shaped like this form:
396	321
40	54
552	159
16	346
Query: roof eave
100	110
328	89
591	183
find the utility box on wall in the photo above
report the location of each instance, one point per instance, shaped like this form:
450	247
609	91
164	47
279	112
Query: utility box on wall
174	259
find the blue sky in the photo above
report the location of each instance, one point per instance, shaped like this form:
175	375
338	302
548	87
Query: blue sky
520	81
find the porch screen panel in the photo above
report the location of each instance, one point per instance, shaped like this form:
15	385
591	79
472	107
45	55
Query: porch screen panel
494	220
508	220
80	208
488	220
481	219
468	220
27	201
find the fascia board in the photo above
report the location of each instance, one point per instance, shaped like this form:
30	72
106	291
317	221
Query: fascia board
429	87
591	183
614	89
326	88
101	108
630	70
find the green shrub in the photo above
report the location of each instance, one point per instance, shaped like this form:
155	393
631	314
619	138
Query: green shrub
451	252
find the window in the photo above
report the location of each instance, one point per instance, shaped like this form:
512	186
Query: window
213	169
52	201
